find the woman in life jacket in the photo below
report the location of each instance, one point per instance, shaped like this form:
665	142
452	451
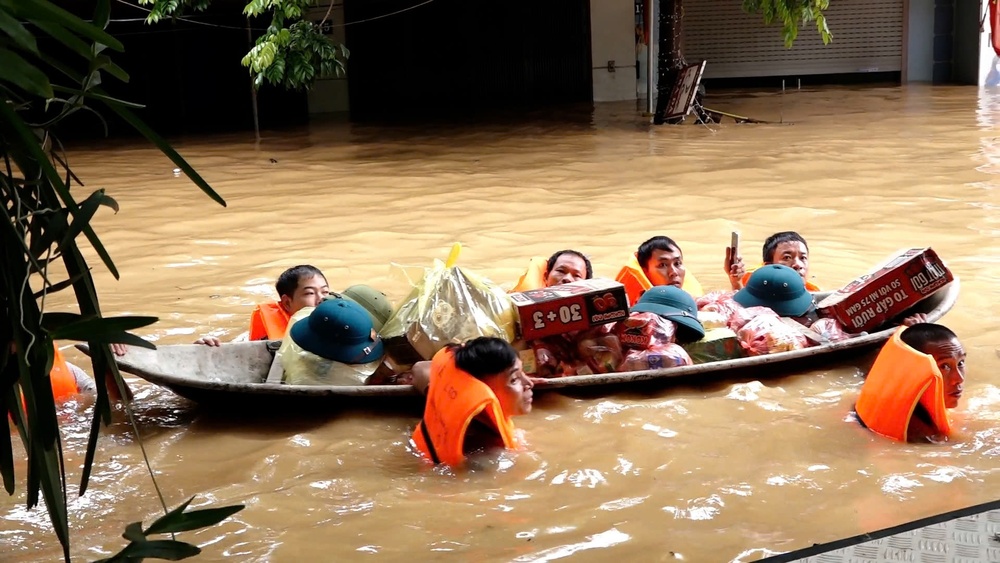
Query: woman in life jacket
658	261
564	266
473	390
918	374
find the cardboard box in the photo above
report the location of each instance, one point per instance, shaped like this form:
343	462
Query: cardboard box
569	307
894	286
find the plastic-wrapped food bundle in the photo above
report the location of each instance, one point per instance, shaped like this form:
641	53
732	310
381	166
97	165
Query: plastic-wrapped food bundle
601	352
745	314
657	357
644	330
449	305
719	302
767	334
831	329
556	356
718	344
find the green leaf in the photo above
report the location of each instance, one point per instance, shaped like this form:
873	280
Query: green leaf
28	140
133	532
165	148
175	522
56	287
87	210
170	550
46	11
68	39
103	329
6	449
23	74
102	14
13	29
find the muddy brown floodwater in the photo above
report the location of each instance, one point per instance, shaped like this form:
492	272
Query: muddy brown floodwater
728	472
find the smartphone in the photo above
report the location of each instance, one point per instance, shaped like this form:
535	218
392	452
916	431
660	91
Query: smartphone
735	243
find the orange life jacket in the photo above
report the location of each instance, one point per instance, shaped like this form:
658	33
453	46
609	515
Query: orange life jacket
533	277
268	322
454	400
636	282
61	378
63	381
810	286
900	379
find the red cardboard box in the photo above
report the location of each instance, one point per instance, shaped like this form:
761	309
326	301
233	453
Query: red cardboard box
568	307
902	281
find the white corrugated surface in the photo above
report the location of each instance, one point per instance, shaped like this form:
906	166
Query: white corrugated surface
867	37
970	539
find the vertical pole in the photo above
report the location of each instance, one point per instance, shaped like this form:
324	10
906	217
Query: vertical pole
253	91
652	45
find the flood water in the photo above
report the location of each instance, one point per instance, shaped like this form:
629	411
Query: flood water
730	471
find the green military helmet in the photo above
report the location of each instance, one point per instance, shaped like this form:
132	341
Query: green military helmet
372	300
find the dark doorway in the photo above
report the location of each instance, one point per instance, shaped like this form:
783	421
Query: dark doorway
461	56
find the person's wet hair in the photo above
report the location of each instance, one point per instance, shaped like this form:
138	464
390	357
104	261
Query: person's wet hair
288	281
552	261
920	335
484	356
647	248
772	242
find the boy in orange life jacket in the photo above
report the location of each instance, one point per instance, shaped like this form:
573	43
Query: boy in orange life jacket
920	370
298	287
472	390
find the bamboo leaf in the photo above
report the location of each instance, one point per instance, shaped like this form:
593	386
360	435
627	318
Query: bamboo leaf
6	448
194	520
9	117
87	210
22	74
133	532
46	11
103	329
102	14
13	28
165	148
64	36
170	550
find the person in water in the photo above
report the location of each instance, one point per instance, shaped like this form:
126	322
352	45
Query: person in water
658	261
917	376
298	287
564	266
787	248
473	390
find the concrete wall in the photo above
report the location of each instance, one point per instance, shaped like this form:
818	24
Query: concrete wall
329	95
612	38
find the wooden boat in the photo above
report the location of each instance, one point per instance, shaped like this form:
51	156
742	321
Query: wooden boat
237	373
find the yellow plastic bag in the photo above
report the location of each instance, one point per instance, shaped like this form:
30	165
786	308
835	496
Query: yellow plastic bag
448	305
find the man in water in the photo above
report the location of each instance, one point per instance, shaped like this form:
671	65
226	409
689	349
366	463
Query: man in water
920	370
473	390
